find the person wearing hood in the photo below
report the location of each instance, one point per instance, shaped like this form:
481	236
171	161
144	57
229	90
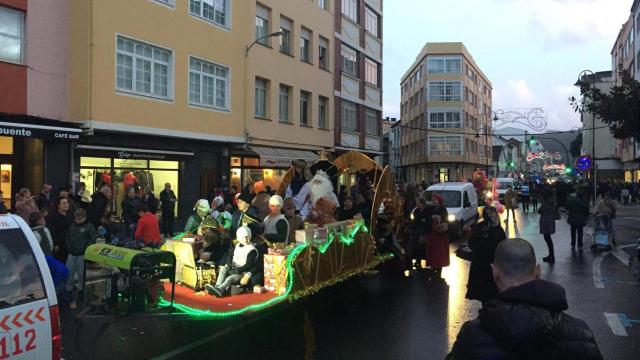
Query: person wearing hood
486	237
527	319
239	268
276	226
295	221
200	212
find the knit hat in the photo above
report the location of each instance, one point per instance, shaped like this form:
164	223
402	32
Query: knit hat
276	200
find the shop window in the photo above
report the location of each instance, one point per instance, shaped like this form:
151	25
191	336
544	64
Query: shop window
236	178
235	161
130	163
170	165
95	162
251	162
6	145
6	174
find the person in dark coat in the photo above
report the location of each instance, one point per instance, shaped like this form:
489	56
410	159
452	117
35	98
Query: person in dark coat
129	212
420	227
486	237
58	223
168	200
578	209
527	320
100	205
437	244
548	216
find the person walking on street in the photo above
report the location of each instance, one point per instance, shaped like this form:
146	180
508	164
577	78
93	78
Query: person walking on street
534	195
606	206
168	200
486	237
437	254
81	234
25	204
42	234
578	209
527	319
547	223
511	203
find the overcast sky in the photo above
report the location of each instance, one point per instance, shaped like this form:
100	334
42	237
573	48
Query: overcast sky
531	50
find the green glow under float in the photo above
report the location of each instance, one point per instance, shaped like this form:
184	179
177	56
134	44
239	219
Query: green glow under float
346	240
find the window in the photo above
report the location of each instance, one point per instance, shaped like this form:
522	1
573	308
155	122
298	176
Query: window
305	45
444	91
261	98
11	35
445	120
372	22
371	71
285	38
262	24
349	61
142	68
305	98
442	65
324	4
284	103
323	107
349	115
445	145
371	120
167	2
21	277
350	9
323	53
216	11
208	84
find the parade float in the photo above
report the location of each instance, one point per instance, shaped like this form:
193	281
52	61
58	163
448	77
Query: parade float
322	255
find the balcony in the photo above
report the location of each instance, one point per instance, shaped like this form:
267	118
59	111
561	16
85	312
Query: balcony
375	4
349	139
350	87
373	143
373	96
373	47
350	32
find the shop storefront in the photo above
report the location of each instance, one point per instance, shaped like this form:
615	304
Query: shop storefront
120	168
34	151
268	164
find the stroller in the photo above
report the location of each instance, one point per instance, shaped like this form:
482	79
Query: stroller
602	233
625	195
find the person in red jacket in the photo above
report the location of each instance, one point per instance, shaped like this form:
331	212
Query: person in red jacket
148	230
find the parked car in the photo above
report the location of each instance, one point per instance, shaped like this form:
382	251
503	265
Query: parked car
29	315
461	202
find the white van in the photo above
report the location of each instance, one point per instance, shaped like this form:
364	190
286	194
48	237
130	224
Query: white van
29	317
461	202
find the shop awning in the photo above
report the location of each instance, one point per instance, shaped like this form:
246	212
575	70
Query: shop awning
280	157
35	127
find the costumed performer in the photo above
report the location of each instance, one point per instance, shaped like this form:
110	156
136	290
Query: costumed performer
199	217
245	214
238	269
437	244
295	221
299	187
276	226
323	201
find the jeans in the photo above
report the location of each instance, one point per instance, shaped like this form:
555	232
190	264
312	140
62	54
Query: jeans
225	281
75	264
579	231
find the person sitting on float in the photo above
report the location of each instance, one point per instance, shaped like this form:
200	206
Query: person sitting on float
200	214
276	226
220	213
238	269
323	202
295	221
245	214
347	211
216	249
299	187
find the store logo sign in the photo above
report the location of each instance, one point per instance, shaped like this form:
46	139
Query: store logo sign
15	131
143	156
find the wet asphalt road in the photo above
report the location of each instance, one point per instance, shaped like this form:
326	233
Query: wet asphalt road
388	316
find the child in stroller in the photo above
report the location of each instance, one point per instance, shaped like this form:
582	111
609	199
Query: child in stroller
602	227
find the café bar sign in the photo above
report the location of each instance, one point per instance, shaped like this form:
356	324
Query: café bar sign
39	131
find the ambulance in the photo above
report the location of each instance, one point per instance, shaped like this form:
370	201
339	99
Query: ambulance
29	314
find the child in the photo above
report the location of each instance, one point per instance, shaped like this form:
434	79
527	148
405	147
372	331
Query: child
81	234
36	222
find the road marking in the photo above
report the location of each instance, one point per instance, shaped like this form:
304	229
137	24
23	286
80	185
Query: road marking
621	255
597	275
616	324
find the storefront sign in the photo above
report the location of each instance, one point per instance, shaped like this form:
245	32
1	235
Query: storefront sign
134	154
39	131
543	155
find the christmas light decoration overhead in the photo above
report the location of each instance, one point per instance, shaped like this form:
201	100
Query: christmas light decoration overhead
543	155
535	119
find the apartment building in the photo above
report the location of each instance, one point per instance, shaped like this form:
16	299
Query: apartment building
624	54
446	115
34	142
290	89
358	76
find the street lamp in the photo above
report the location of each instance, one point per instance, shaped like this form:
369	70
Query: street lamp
589	75
278	33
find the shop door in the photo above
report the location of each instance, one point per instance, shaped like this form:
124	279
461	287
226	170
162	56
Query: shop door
443	175
6	181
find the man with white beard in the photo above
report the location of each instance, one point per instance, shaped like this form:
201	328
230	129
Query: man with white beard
323	202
